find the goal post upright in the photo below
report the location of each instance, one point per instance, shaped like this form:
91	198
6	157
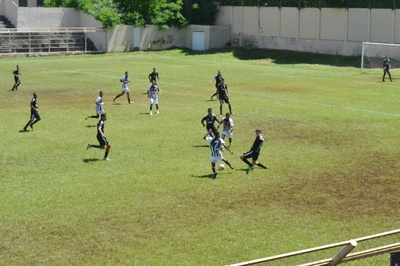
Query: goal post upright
372	54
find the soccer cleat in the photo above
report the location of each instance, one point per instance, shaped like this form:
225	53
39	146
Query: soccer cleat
25	129
88	146
151	113
106	159
233	168
113	99
212	98
130	102
251	167
214	176
31	126
158	112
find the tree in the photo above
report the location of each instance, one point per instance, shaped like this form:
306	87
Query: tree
202	12
157	12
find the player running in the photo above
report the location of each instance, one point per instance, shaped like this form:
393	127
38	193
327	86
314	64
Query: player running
99	107
34	113
216	145
217	79
223	96
17	81
228	128
254	152
125	80
103	142
152	93
210	118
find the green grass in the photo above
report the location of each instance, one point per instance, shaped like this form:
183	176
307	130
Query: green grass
331	145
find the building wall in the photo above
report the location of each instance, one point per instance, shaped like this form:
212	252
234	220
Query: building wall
325	30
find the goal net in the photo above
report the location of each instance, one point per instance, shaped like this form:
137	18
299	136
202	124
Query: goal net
372	55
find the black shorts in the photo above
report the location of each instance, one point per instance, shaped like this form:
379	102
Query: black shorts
223	100
17	80
35	115
212	127
102	141
251	154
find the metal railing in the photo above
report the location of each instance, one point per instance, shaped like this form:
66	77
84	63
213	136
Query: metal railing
369	247
47	40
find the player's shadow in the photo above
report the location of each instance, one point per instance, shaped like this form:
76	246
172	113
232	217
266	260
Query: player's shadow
91	126
90	160
200	146
23	131
203	176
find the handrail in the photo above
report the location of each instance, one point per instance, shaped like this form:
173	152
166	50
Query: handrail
305	251
62	29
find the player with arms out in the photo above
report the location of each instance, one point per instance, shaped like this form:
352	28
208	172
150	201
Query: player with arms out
124	80
154	76
254	152
152	93
99	107
103	142
210	118
216	145
35	117
228	128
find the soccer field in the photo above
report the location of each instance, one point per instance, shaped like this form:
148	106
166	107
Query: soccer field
331	145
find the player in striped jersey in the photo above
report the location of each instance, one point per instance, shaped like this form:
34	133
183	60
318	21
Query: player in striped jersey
216	145
125	80
99	106
228	127
152	93
254	152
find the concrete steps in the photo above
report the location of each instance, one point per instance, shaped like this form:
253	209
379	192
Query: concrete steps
42	42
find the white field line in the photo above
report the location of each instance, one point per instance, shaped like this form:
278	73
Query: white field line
259	98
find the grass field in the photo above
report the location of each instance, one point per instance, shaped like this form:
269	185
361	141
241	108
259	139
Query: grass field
332	147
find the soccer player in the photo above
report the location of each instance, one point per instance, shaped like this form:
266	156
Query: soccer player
223	96
216	145
228	127
35	117
210	118
152	93
386	68
103	142
99	107
254	152
154	76
17	81
217	79
125	80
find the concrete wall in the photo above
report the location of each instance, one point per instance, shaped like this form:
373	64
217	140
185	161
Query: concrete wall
39	17
325	30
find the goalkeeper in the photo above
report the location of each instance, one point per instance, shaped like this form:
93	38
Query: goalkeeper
386	68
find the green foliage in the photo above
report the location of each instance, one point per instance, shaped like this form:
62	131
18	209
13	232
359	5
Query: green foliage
106	12
201	12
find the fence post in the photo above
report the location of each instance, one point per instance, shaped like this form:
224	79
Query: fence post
343	253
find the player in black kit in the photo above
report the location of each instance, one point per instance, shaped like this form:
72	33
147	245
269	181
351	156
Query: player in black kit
210	118
254	152
223	96
217	79
103	142
34	113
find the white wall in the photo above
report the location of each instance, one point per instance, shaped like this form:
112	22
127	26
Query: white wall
325	30
39	17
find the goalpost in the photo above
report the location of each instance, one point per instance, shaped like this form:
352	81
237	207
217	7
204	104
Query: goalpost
372	55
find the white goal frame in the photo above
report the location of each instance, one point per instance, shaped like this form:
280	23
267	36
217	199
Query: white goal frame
392	50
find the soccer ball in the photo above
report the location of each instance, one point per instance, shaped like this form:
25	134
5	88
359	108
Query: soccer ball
221	167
